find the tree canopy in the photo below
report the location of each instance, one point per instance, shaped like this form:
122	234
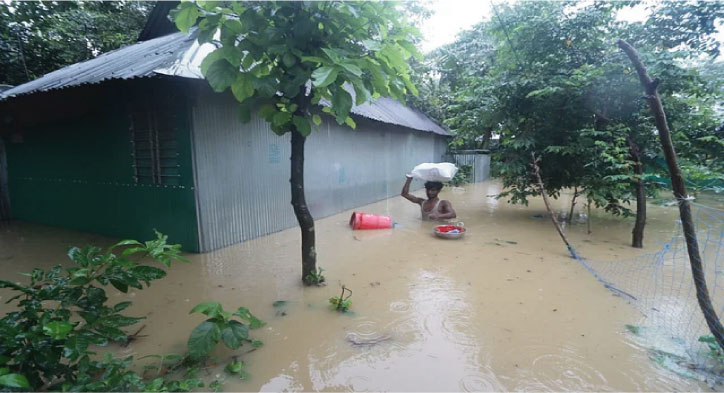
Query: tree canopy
37	37
281	59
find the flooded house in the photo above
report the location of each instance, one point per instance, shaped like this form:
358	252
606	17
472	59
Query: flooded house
135	140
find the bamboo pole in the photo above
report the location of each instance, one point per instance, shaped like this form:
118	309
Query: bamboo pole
677	183
542	191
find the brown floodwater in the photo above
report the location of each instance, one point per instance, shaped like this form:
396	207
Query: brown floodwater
503	308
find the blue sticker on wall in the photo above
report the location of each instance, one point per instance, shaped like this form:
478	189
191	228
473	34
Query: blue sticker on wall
275	154
342	176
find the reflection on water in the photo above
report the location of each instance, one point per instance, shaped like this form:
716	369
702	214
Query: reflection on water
503	308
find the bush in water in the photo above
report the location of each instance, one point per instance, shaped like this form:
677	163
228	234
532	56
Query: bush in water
46	344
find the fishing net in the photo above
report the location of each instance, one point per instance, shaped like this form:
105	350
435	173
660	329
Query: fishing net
661	286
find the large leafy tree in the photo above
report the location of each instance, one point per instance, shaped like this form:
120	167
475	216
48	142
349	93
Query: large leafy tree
37	37
570	96
282	59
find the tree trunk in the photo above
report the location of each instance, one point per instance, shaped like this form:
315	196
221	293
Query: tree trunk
487	135
542	190
304	218
588	219
638	230
573	204
4	192
677	183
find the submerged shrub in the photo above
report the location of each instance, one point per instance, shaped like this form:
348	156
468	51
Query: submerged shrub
63	312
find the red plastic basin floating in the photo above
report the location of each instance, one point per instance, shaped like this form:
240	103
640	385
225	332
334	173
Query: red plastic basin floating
449	231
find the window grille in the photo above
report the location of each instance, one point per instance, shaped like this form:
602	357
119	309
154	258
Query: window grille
154	142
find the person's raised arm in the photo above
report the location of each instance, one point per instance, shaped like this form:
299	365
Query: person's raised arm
406	192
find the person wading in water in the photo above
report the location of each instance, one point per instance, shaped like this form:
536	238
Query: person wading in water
433	208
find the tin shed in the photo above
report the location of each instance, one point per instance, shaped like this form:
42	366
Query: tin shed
135	140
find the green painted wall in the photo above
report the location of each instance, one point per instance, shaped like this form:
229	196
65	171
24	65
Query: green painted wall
78	173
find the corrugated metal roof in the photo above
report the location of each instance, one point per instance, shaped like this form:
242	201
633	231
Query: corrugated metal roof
133	61
180	55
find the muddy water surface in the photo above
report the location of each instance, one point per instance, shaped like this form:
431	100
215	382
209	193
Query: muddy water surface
504	308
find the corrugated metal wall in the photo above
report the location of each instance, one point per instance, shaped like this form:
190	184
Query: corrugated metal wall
479	162
242	170
77	171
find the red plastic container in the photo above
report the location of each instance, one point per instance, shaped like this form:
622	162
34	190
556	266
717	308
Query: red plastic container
369	221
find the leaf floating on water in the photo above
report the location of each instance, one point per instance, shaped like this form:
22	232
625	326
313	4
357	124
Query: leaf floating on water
280	303
634	329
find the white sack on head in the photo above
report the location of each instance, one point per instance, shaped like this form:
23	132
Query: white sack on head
442	172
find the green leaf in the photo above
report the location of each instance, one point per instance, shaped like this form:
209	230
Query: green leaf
147	273
265	87
316	119
394	58
235	367
8	284
221	75
247	316
203	339
267	111
4	359
133	250
281	118
350	122
244	113
112	333
333	55
243	87
409	85
341	104
361	93
4	371
234	26
211	309
185	16
289	59
127	242
703	339
324	76
234	333
634	329
119	320
76	346
372	45
313	59
302	125
14	381
57	329
119	285
410	47
352	68
121	306
231	54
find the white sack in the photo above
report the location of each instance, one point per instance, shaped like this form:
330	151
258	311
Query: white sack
442	172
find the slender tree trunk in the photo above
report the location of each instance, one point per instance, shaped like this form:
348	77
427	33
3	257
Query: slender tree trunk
542	190
588	219
304	218
486	138
638	230
677	183
573	204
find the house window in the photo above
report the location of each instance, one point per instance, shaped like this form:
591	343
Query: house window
154	142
